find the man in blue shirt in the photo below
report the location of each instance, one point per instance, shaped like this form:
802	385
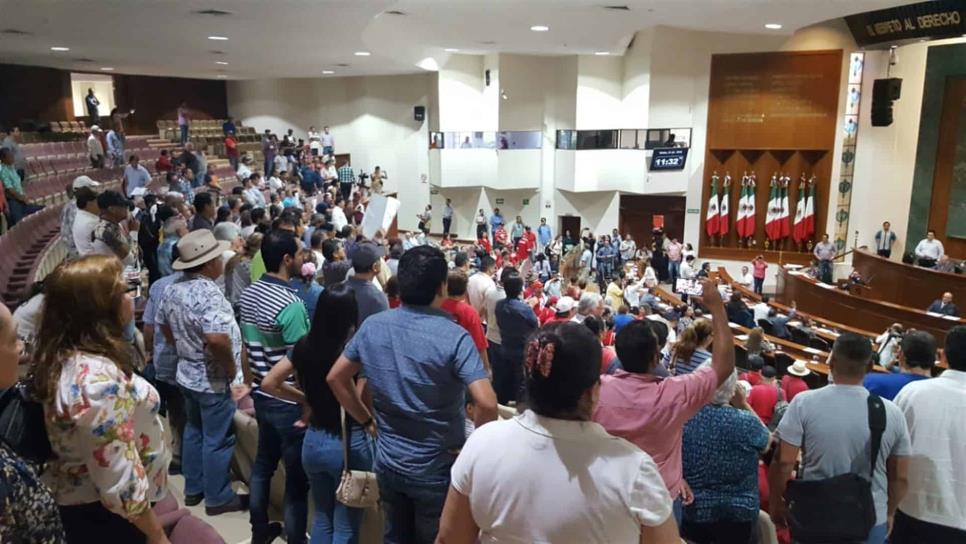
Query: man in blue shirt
916	357
495	221
228	127
419	363
544	236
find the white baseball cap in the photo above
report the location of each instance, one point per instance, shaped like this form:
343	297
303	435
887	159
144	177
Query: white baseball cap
84	181
565	304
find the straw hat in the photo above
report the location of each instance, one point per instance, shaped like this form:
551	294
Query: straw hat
197	248
798	368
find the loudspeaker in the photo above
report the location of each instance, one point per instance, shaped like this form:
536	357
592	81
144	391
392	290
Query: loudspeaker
419	113
884	91
486	77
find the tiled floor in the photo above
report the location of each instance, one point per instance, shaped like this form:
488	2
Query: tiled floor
233	527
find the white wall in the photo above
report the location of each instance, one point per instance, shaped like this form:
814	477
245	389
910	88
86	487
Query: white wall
370	117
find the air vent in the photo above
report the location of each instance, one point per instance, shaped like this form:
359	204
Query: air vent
15	32
82	59
212	12
488	42
394	12
342	65
618	8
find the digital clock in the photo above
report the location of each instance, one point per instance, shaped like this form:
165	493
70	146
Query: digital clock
671	158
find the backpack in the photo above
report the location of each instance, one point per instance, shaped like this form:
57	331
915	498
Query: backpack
781	406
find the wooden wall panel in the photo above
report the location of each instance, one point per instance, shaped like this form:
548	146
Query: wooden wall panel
637	213
770	113
34	93
950	129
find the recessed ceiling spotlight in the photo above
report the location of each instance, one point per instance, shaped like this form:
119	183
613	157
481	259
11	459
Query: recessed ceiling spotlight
58	48
218	38
327	72
362	53
773	26
602	53
221	62
451	50
107	69
540	28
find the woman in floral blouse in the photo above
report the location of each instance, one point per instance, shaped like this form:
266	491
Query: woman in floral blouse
28	512
102	419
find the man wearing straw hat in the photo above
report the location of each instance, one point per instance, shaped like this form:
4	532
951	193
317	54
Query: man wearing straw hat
793	383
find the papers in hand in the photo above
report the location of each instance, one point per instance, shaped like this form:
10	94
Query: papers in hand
379	214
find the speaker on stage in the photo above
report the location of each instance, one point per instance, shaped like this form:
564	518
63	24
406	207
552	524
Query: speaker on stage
419	113
884	91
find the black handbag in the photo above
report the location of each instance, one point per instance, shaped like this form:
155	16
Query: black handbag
839	509
22	425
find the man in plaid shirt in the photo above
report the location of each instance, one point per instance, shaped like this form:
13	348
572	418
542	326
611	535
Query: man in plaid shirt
346	178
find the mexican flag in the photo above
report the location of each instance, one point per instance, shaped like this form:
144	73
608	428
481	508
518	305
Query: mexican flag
724	214
798	231
750	211
773	228
711	220
783	219
742	215
809	214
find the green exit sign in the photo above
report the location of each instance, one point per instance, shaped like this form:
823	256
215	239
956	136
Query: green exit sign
526	201
694	210
499	201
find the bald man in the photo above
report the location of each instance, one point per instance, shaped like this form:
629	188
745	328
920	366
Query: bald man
944	306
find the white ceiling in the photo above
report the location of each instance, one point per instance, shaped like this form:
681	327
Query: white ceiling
300	38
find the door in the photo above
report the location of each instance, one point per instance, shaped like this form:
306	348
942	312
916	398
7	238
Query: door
947	212
571	223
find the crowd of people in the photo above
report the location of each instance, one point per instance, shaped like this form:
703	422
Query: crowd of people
393	356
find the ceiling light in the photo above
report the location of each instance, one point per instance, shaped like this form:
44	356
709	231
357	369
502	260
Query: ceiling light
218	38
773	26
221	76
451	50
362	53
602	53
107	69
539	28
327	72
58	48
221	62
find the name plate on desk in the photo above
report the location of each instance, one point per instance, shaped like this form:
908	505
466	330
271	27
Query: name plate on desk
813	351
951	317
937	314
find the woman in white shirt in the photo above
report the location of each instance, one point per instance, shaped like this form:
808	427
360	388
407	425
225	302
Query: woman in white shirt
551	474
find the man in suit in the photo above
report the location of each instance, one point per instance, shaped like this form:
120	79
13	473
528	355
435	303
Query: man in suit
779	323
944	306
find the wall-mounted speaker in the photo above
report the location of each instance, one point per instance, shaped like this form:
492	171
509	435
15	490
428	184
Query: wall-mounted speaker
419	113
486	77
884	91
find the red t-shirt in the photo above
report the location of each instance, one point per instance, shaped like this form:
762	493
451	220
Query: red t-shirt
546	315
793	385
523	247
752	377
231	147
485	243
760	267
469	319
607	354
163	164
762	400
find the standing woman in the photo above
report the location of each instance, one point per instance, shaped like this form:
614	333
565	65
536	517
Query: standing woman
528	479
28	512
111	461
322	453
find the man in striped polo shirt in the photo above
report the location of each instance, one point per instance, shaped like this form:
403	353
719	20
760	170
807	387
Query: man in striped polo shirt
273	318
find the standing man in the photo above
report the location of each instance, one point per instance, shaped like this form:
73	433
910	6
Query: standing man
516	231
115	148
830	428
447	216
884	239
184	121
674	256
12	142
232	151
95	149
420	367
273	319
208	346
496	221
108	236
929	250
366	265
425	219
544	235
228	127
825	252
328	143
917	356
315	141
205	212
346	179
92	103
934	509
135	176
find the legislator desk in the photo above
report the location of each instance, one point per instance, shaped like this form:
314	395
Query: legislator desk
905	284
815	297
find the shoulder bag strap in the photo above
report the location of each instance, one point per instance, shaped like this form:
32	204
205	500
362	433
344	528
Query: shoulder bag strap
877	424
345	441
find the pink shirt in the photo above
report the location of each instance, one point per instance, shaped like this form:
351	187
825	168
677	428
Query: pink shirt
760	267
651	411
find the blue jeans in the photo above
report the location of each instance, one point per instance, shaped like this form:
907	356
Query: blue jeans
208	445
825	271
279	440
674	270
328	150
878	534
413	508
184	134
17	210
335	523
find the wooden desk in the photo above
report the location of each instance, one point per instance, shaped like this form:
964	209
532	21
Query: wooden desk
905	284
855	311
